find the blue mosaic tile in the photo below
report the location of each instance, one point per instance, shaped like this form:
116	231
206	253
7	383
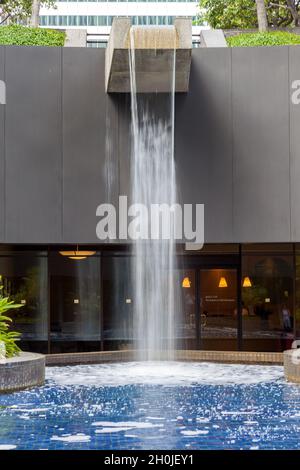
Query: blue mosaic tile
66	415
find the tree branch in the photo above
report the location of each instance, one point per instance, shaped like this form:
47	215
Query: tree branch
3	21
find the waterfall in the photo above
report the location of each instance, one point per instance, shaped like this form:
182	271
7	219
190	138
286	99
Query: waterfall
153	181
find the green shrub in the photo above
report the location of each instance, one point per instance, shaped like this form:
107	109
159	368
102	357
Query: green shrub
274	38
17	35
8	337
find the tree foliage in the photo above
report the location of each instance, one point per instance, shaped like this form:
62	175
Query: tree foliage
14	10
19	10
231	14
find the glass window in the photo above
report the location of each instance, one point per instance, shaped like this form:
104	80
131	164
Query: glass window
117	302
24	277
63	20
152	20
297	293
43	20
267	297
72	20
92	20
82	20
75	304
102	20
218	308
186	322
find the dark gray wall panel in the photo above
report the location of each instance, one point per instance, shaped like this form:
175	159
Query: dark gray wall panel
203	141
84	124
124	116
261	144
232	144
294	56
2	167
33	144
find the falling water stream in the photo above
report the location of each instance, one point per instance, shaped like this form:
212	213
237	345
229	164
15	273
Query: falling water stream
153	182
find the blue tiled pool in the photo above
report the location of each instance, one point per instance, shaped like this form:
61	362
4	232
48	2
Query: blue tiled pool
154	406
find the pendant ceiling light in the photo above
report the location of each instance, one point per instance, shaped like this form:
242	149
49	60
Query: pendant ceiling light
247	282
223	282
186	283
77	254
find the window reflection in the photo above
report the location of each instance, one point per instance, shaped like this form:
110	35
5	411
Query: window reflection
24	277
117	302
186	316
297	287
75	303
268	298
218	308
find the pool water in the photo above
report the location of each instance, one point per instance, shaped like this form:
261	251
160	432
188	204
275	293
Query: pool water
154	406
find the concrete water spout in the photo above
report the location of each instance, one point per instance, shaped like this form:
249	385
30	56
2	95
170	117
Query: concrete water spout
154	49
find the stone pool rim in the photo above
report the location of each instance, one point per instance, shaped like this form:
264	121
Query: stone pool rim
23	371
229	357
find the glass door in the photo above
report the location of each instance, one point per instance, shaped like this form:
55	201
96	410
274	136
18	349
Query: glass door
218	309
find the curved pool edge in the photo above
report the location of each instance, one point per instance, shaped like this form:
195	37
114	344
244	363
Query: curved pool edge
291	360
229	357
23	371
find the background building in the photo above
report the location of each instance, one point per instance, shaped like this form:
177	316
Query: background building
96	16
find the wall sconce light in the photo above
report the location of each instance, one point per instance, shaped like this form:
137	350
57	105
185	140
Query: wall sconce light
186	283
247	282
76	301
223	282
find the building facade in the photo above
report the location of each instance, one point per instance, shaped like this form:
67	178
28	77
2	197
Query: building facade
96	16
237	152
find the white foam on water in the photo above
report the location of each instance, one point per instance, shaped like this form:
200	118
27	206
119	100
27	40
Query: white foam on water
163	373
194	433
126	425
28	410
72	438
155	417
110	430
7	447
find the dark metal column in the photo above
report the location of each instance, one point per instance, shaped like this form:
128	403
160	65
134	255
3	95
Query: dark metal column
239	302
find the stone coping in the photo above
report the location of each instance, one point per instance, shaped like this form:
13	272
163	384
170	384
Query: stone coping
22	357
22	371
292	365
234	357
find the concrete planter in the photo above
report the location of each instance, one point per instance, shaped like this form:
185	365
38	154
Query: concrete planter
23	371
291	360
